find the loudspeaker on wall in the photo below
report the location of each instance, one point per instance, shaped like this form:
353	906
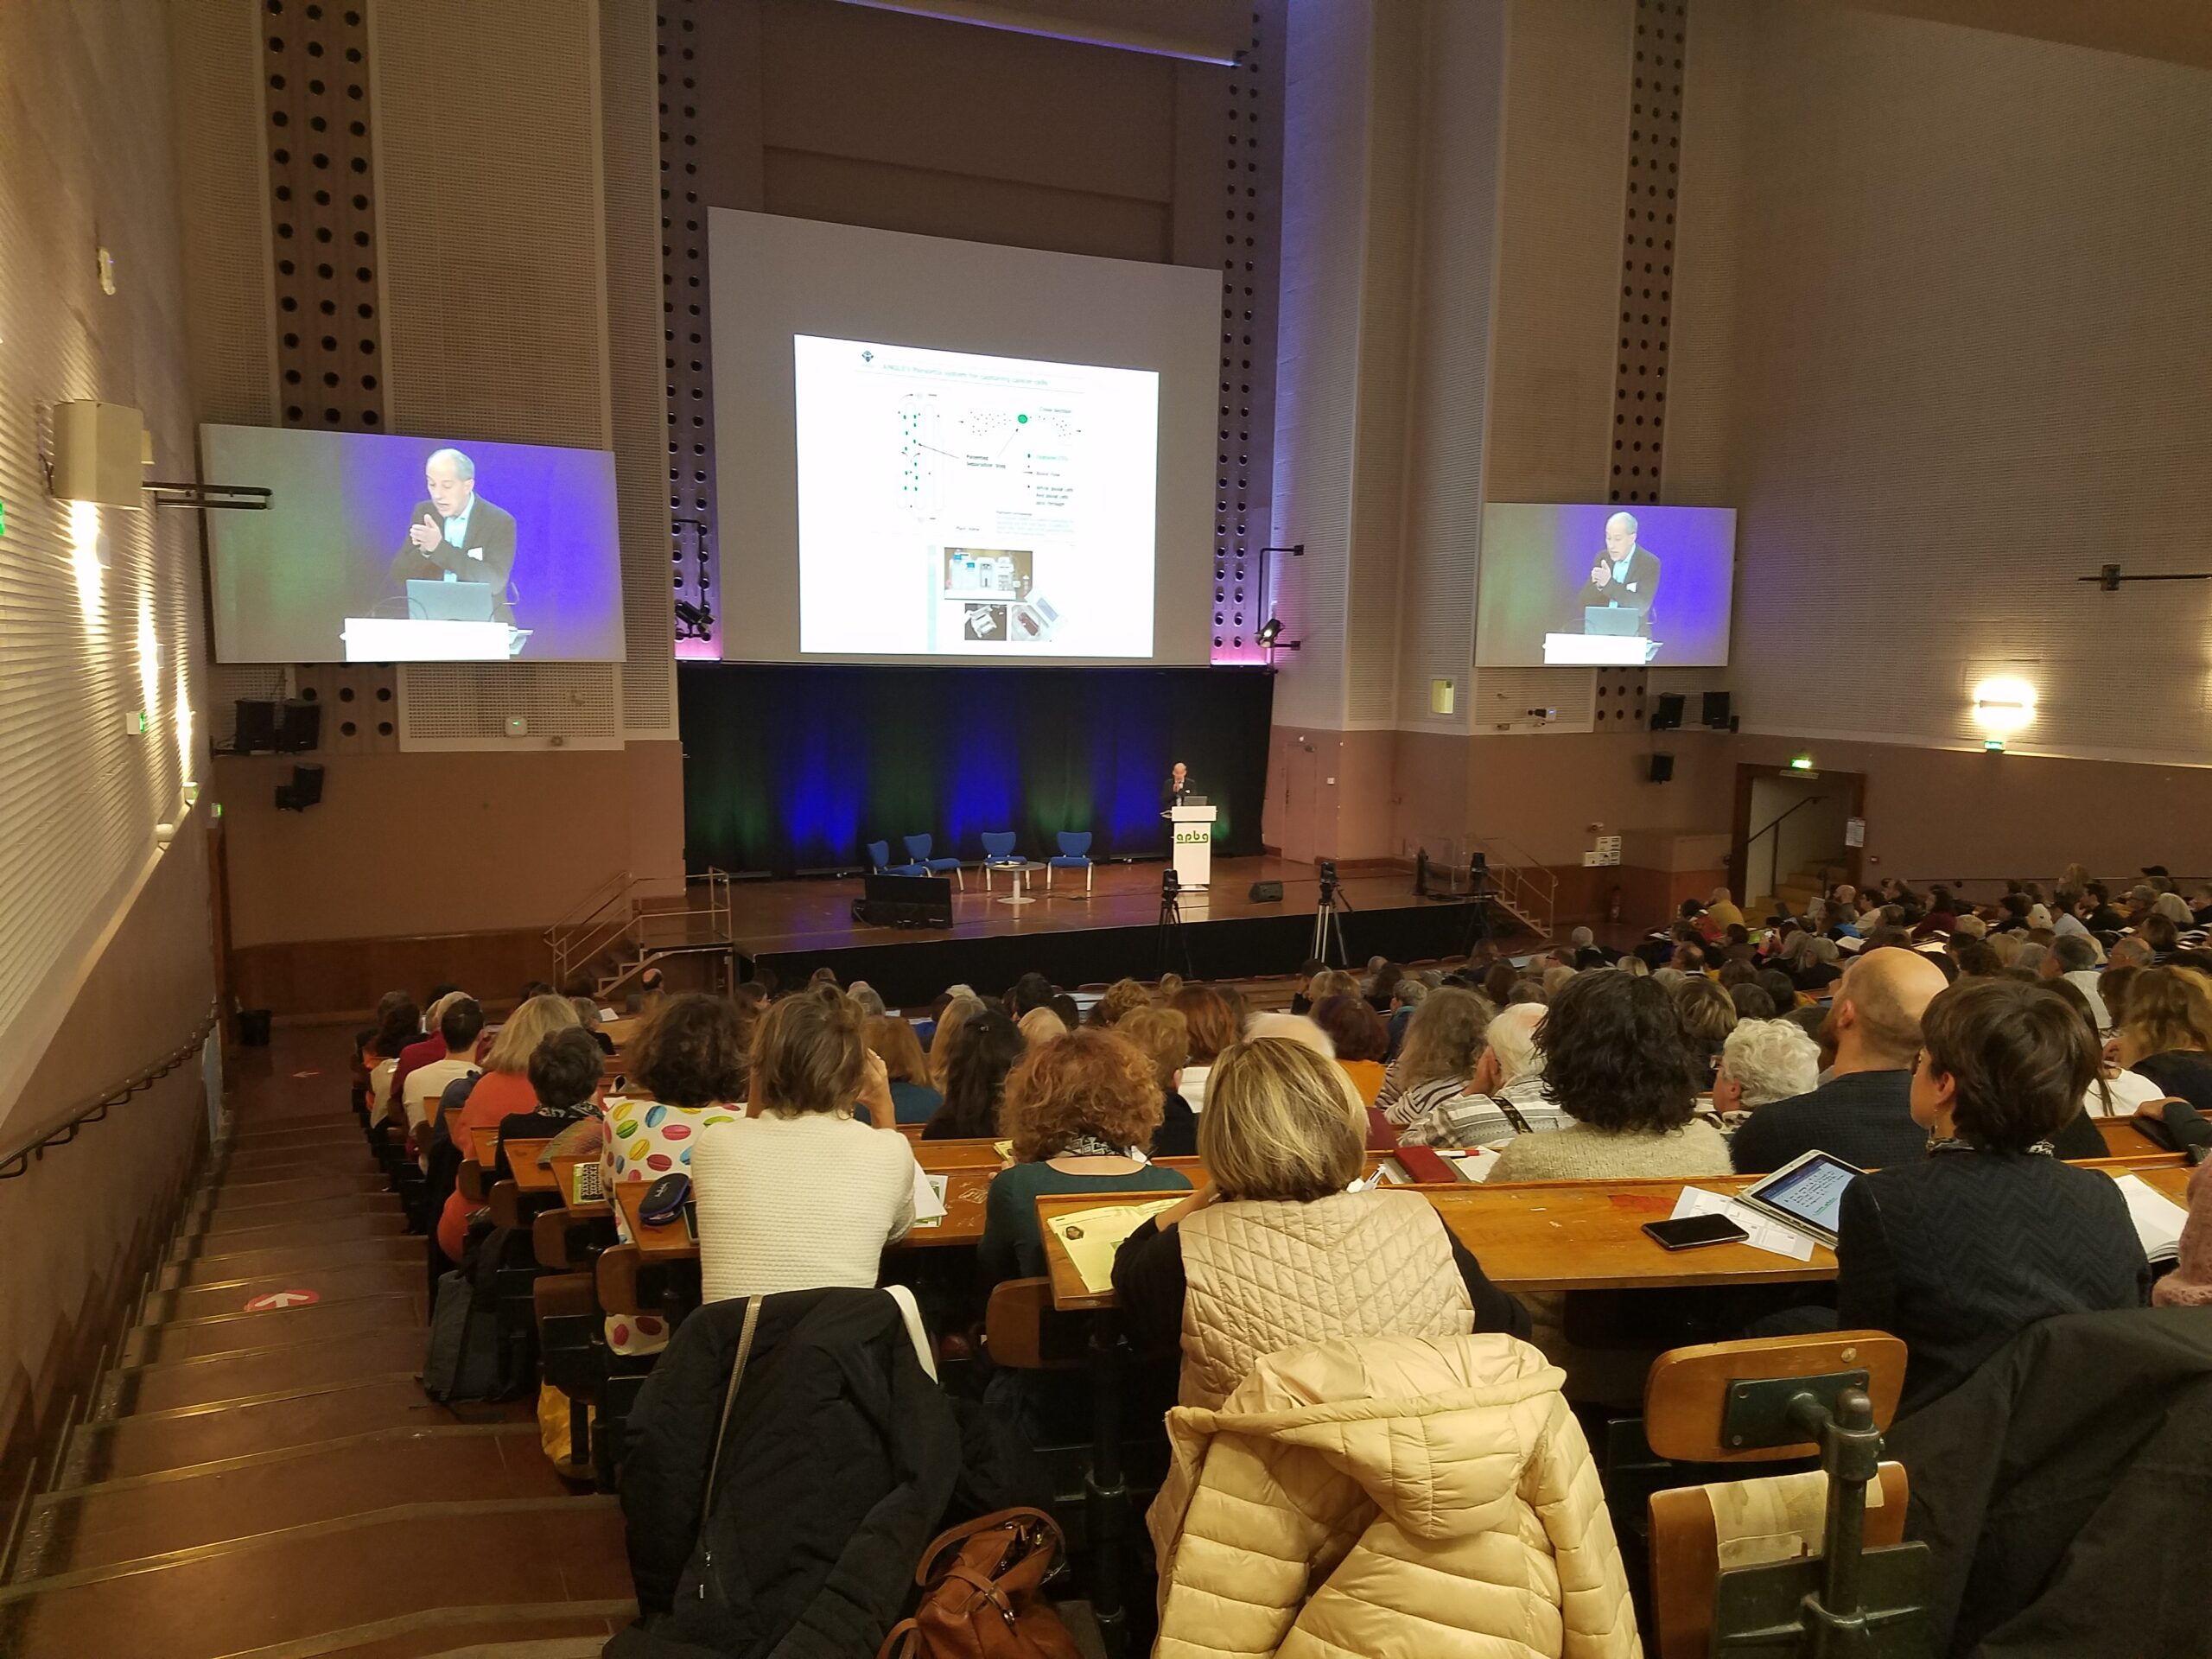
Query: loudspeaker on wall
1666	716
1662	768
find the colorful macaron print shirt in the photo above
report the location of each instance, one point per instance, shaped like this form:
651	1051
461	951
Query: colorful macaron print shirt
647	1139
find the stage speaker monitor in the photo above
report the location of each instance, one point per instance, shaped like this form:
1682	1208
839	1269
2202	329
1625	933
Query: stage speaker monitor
1717	713
303	792
905	901
299	727
1662	768
1266	892
1667	713
257	727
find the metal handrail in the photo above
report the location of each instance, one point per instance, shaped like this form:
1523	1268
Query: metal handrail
1811	800
1523	881
17	1159
592	930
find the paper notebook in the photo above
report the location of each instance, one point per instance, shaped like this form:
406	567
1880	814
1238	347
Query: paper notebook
1091	1237
1762	1232
929	1197
2158	1219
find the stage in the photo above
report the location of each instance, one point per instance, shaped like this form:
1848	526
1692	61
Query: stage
795	926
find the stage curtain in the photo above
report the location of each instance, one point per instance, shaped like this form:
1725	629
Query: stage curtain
791	769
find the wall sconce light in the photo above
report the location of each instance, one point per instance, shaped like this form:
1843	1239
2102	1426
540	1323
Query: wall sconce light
2003	705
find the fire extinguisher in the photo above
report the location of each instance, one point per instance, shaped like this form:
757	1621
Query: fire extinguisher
1613	906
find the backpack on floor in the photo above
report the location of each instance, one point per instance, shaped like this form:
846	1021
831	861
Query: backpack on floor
982	1595
468	1358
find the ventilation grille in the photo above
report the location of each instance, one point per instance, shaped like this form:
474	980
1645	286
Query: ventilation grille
687	340
1251	250
322	215
1654	148
467	705
1533	700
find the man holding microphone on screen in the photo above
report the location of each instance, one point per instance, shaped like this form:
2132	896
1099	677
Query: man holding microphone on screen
457	536
1172	792
1624	575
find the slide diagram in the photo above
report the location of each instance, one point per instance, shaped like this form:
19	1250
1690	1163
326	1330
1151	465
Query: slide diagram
969	505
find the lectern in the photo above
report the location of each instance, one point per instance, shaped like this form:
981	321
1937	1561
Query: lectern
1193	827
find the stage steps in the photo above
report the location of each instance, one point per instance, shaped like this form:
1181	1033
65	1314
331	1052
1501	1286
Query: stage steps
274	1482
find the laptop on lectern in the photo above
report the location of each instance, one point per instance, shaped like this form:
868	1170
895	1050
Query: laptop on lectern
450	601
1607	620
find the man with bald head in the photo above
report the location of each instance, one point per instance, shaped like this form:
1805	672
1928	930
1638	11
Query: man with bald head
1624	575
1863	1113
456	535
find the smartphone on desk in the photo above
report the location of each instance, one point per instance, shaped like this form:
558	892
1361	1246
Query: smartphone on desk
1692	1232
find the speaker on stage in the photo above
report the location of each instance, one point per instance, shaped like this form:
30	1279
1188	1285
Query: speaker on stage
1266	892
905	901
1662	768
1666	716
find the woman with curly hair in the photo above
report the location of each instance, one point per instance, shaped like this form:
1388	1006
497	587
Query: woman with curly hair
1618	1062
1078	1110
1123	997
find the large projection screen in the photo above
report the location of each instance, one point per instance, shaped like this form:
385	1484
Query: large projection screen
929	450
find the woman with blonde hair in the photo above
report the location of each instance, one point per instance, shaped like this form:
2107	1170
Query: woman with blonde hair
501	1091
1163	1037
891	1039
1123	997
2165	1034
958	1011
1444	1045
1041	1025
1281	1138
1709	1016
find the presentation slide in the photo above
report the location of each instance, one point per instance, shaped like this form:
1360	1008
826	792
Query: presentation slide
377	549
1596	586
928	449
953	504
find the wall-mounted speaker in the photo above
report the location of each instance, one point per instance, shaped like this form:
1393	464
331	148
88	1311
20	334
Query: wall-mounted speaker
257	727
299	727
1667	714
1662	768
1718	713
303	792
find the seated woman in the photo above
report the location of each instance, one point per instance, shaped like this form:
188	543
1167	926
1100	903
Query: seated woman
686	1070
1762	1062
1162	1036
2165	1032
1074	1108
1507	1097
1709	1016
1361	1038
399	1023
892	1040
503	1090
1444	1045
984	1051
958	1010
798	1194
1958	1253
1212	1026
1618	1063
1281	1139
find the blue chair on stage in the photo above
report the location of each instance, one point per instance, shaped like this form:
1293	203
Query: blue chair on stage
879	858
998	853
918	849
1074	854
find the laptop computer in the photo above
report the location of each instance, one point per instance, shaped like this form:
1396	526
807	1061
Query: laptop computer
1610	619
450	601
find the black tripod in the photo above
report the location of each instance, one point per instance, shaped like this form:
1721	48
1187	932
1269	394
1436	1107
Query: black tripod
1173	945
1478	930
1328	920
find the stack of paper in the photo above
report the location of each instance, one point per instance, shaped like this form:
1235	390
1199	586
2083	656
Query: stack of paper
929	1198
1091	1237
1764	1233
2158	1219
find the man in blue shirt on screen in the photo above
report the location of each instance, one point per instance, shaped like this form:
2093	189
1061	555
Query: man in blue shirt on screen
1624	576
456	535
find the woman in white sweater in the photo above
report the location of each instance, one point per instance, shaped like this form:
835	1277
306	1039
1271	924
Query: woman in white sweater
799	1194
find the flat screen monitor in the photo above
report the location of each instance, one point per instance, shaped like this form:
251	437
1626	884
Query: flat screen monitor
1600	586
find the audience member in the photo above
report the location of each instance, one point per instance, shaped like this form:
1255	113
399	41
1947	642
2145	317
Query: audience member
2073	957
461	1021
1213	1025
428	1048
1816	967
1282	1139
958	1012
1302	999
1031	990
1781	989
1863	1113
2166	1031
399	1024
984	1049
1443	1045
1498	981
1763	1061
1122	997
1709	1016
1163	1037
892	1040
1977	960
505	1092
1722	911
1042	1025
1074	1111
1959	1250
1064	1004
1506	1096
1752	1002
1382	984
1617	1061
798	1194
1360	1039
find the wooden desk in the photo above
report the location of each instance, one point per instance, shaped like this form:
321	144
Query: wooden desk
522	1158
2124	1140
621	1029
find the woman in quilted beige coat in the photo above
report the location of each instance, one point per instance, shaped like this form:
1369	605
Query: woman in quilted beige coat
1388	1495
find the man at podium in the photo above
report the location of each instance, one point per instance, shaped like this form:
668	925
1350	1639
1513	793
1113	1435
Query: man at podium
1173	793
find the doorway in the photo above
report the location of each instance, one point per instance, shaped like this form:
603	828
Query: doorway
1301	774
1790	831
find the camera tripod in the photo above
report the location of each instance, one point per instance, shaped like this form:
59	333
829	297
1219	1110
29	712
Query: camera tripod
1329	925
1173	944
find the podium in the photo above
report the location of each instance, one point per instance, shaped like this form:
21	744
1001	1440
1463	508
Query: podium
425	639
1191	830
1599	650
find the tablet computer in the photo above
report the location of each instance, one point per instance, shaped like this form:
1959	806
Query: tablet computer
1806	1193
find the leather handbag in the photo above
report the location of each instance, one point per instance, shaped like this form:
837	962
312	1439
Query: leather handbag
982	1593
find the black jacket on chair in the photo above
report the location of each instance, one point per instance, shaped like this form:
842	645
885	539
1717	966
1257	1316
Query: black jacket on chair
2061	1490
841	1457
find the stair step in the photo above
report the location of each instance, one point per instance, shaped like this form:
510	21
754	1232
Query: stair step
152	1441
301	1584
235	1331
248	1375
282	1163
276	1122
340	1230
286	1260
123	1520
228	1218
330	1284
330	1184
476	1633
319	1132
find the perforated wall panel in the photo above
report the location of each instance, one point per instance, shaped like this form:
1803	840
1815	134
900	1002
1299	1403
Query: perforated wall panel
687	335
1655	142
468	706
1533	700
